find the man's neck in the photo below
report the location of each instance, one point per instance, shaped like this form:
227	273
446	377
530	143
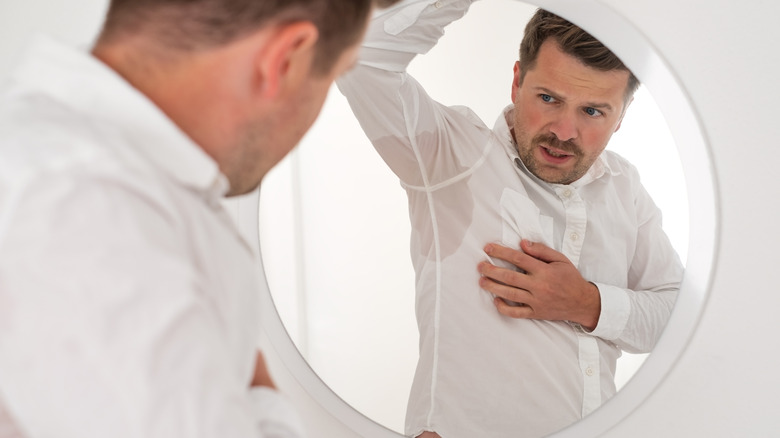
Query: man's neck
176	84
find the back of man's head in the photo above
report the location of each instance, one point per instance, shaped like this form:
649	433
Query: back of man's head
192	25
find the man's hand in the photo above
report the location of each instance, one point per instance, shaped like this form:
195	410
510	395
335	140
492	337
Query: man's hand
262	377
551	288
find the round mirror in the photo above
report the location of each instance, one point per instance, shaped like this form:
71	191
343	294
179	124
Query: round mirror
334	227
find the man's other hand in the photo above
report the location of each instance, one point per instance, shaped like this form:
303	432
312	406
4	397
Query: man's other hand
549	287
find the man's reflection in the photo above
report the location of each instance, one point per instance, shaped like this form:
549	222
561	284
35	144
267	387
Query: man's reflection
524	348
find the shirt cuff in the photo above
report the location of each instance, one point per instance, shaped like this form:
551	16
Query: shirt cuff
276	417
615	310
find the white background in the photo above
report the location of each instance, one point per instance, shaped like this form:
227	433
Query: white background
724	54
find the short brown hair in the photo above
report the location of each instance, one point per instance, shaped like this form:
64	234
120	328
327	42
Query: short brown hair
189	25
573	41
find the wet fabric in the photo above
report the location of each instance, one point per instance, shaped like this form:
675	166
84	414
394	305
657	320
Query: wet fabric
481	373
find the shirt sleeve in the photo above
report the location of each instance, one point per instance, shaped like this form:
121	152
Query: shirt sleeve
416	136
276	416
634	318
108	328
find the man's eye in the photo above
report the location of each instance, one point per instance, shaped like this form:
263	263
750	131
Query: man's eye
593	112
547	98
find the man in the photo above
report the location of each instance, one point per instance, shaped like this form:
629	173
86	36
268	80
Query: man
517	352
128	300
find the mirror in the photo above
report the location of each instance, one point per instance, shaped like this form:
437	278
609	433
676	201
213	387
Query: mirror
358	163
337	219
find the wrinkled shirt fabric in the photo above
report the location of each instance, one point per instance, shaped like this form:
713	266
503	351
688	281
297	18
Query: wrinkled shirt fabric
481	374
128	300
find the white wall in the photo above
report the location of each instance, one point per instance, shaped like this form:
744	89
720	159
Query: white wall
725	384
723	52
72	21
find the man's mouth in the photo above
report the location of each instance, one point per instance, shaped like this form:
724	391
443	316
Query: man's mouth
555	155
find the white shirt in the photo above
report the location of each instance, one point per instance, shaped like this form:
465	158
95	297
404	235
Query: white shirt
481	374
128	300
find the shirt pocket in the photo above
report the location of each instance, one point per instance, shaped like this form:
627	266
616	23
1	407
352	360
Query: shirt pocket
521	219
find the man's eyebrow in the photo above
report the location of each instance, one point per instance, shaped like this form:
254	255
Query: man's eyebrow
597	105
550	92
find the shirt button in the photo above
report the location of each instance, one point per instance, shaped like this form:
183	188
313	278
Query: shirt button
589	371
567	193
574	237
438	4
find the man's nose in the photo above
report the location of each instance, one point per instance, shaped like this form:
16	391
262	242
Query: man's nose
564	127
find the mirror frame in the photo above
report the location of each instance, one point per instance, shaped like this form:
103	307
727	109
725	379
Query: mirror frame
638	54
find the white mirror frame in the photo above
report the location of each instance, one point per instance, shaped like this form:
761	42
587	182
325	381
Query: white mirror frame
638	54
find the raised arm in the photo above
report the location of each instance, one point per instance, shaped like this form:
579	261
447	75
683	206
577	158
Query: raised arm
407	127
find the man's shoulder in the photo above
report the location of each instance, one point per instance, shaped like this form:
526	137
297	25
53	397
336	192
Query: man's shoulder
53	112
42	135
618	164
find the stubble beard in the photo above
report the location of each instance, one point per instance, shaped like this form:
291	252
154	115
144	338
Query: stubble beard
248	164
526	150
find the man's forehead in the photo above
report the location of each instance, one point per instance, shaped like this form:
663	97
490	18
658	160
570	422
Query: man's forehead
562	73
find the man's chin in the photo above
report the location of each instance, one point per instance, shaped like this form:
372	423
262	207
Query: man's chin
555	177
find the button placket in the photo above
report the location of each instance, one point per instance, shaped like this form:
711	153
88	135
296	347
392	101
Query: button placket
590	366
576	222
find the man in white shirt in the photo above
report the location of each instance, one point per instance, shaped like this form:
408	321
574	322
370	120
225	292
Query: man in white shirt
128	300
517	352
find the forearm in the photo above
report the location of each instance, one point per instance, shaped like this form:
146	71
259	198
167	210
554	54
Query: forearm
634	320
635	314
396	35
409	129
591	310
379	91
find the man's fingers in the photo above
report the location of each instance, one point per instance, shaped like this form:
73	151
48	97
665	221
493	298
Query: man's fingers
541	252
502	290
513	256
262	376
513	311
502	275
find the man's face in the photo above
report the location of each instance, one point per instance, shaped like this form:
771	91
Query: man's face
565	114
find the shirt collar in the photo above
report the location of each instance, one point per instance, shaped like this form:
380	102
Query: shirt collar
502	131
78	80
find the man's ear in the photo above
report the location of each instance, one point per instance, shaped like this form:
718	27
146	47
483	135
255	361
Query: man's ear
285	59
625	108
516	80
